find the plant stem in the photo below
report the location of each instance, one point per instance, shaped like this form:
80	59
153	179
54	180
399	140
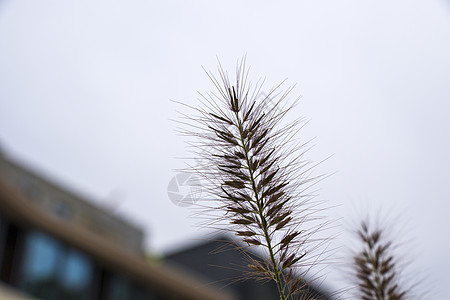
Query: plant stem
263	224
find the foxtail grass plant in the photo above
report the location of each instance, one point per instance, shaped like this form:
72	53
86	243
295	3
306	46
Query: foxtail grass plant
375	267
251	165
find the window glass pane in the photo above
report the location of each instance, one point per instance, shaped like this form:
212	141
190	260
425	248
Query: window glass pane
119	288
76	275
39	268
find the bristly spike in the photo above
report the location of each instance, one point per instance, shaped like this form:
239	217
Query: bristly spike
374	269
252	170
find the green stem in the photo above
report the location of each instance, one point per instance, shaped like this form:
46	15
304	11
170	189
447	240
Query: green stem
264	227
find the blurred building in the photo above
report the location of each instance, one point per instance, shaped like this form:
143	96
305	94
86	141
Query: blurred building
55	245
223	264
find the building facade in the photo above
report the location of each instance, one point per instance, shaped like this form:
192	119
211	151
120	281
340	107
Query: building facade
55	245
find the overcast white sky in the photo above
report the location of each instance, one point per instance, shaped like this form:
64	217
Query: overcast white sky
85	89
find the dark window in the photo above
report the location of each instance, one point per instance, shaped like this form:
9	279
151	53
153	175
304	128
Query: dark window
76	276
122	288
52	271
11	250
62	210
40	266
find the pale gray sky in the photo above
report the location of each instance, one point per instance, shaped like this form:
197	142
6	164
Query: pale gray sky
85	89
